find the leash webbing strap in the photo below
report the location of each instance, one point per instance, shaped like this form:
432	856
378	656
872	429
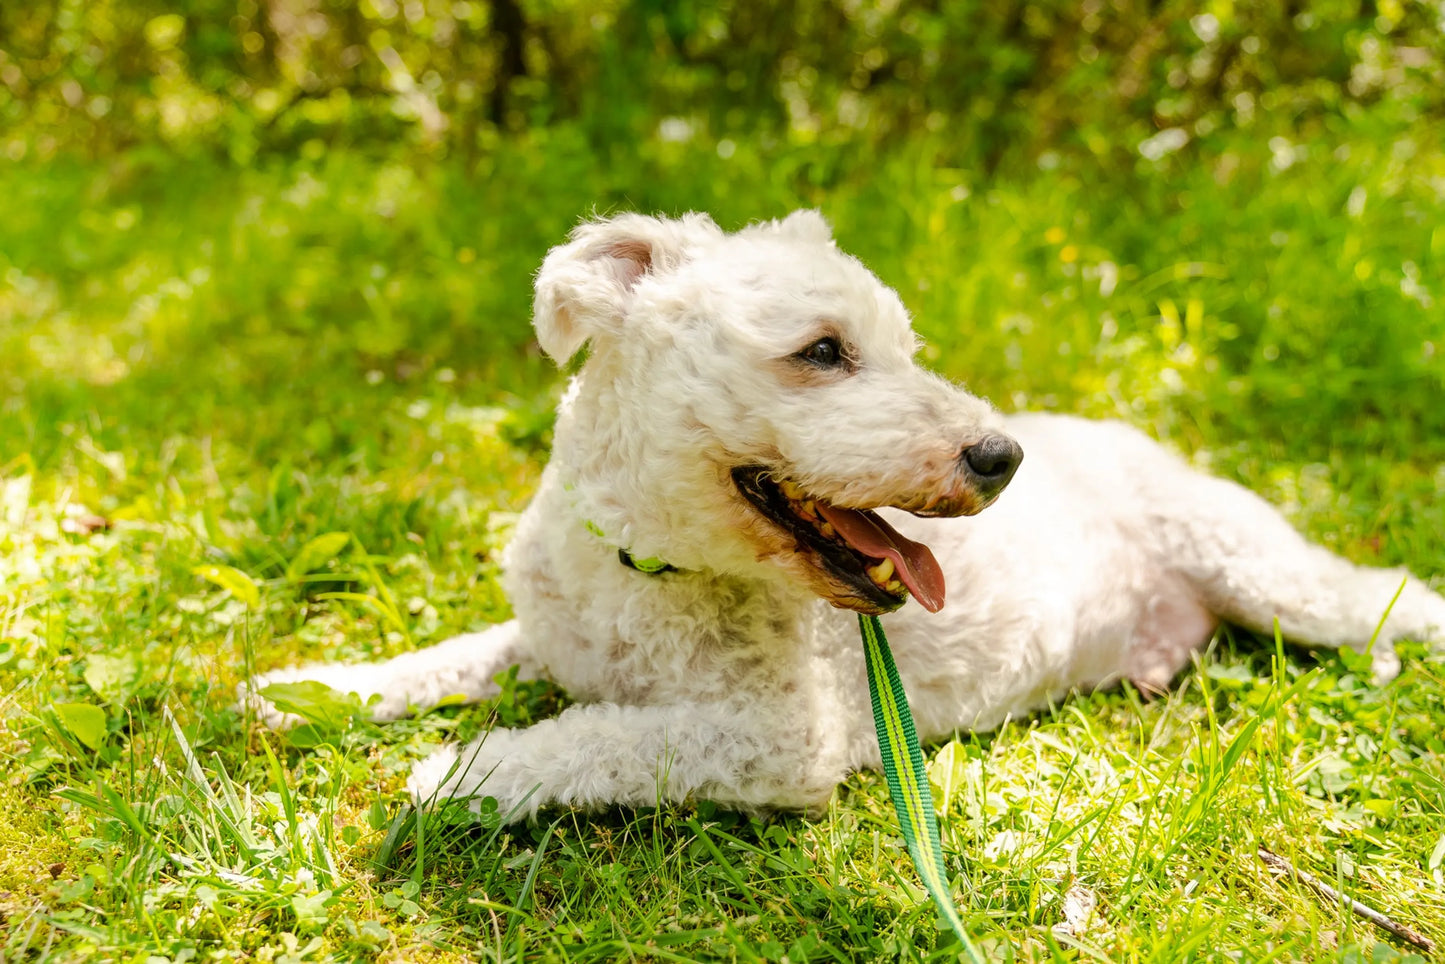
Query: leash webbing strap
907	779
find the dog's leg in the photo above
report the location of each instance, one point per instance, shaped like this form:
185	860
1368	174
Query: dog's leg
463	665
1251	567
602	754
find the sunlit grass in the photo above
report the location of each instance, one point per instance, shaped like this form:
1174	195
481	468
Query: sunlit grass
295	422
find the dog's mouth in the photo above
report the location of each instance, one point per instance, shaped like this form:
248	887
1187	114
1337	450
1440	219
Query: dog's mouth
880	565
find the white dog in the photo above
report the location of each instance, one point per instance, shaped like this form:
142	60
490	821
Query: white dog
747	455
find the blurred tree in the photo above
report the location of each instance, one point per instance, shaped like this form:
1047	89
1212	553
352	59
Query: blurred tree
1026	76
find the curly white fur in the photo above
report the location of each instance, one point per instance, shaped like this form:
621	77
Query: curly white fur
732	679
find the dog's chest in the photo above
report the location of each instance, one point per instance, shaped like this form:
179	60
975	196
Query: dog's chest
606	632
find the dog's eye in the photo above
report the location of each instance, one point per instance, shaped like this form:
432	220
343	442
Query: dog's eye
825	353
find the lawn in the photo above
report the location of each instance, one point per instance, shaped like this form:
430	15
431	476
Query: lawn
253	415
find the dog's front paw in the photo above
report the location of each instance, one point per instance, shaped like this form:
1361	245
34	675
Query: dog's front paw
470	773
434	779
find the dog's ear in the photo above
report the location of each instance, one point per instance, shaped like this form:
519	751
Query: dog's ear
806	224
585	285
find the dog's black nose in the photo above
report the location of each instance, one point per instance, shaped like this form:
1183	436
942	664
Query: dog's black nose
992	461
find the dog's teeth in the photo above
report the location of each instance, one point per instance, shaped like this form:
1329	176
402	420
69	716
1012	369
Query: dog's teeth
894	586
882	572
791	490
827	529
809	508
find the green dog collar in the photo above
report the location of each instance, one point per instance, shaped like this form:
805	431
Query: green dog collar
652	566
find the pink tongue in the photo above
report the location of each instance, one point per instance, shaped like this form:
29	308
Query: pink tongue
872	536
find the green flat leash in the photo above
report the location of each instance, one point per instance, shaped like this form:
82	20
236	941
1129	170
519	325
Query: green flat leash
907	780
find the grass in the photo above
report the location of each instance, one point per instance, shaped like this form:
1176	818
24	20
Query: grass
252	417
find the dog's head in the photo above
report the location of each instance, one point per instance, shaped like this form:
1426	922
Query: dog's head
748	398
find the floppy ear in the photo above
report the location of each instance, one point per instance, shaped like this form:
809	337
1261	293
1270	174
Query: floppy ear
585	286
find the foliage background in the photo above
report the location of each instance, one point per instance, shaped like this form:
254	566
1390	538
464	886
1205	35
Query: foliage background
268	393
